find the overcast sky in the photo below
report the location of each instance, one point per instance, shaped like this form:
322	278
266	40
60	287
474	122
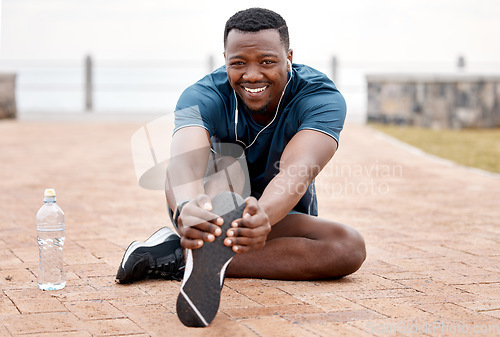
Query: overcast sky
355	30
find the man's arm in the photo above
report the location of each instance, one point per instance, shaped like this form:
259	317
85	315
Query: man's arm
303	158
188	162
189	154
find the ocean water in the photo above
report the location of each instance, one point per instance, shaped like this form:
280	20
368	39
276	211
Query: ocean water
154	87
135	90
138	86
115	89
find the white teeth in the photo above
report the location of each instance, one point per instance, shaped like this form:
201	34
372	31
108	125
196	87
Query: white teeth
254	91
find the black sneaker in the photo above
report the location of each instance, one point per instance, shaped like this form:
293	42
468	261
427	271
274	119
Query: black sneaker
199	298
160	256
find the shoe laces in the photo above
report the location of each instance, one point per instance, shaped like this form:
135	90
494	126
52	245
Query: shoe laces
172	268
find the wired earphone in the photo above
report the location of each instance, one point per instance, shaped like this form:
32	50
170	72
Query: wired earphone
271	122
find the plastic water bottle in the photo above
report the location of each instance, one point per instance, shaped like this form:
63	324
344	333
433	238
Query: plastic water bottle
50	230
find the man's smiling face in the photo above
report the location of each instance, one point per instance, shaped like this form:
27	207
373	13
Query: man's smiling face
256	64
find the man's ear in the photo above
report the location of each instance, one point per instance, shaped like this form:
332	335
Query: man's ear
289	59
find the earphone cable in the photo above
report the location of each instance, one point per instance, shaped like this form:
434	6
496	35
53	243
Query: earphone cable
265	127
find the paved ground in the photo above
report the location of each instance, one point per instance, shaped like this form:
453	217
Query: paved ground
432	232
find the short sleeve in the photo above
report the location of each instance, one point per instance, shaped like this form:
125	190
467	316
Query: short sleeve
323	111
197	107
189	116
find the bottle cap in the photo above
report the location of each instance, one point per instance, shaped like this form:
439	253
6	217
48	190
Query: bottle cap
49	193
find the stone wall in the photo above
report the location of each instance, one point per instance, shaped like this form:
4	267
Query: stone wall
438	101
8	95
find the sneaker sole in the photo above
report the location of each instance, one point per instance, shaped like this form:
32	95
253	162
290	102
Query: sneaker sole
139	268
199	297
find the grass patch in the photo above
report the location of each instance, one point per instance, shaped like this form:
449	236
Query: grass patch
478	148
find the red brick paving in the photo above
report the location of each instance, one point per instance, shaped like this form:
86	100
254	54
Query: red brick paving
432	231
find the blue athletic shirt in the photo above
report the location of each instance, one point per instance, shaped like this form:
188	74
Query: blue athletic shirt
311	102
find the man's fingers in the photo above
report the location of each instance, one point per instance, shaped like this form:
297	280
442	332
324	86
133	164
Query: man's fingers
196	216
206	234
255	221
203	225
244	244
191	243
244	241
199	225
252	206
251	209
247	232
204	202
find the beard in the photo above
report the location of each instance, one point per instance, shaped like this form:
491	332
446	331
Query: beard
261	112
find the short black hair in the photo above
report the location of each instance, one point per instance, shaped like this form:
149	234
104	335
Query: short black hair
256	19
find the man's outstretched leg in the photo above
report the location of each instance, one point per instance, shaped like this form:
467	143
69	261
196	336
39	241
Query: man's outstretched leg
161	255
201	287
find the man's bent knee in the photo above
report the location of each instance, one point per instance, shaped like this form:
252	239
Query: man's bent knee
354	252
348	250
